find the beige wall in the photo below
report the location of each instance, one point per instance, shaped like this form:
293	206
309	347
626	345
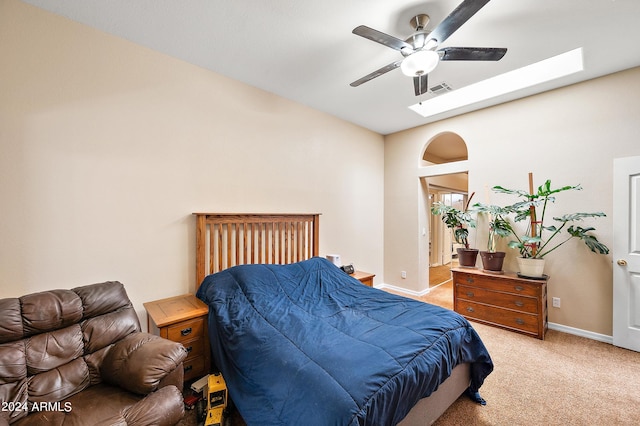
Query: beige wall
108	147
570	136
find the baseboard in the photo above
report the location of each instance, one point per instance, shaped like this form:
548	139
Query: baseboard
582	333
384	286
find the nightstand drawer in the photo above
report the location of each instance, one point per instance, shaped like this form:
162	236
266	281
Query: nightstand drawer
186	330
502	300
194	367
504	317
194	348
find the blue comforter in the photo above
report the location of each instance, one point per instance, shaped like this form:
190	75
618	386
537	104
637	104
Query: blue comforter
306	344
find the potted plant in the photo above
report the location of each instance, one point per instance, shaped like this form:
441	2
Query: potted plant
460	221
499	227
541	237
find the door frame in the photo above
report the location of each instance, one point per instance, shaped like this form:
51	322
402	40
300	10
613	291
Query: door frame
423	216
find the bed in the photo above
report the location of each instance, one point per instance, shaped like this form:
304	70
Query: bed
301	342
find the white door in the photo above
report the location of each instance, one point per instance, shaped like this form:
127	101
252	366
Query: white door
626	253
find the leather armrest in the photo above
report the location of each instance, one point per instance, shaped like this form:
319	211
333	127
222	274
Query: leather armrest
162	407
140	361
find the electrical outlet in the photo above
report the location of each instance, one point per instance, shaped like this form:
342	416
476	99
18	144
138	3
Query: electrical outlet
403	274
555	301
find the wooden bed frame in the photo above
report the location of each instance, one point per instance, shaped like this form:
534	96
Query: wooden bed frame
224	240
228	239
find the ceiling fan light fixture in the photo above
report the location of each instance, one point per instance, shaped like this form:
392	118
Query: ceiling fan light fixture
419	63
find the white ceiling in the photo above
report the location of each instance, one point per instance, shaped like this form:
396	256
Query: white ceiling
304	50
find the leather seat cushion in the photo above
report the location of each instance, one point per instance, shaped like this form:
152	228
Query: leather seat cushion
102	405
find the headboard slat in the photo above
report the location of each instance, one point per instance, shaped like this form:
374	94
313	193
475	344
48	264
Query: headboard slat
224	240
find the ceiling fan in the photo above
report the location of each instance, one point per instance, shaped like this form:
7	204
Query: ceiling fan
420	56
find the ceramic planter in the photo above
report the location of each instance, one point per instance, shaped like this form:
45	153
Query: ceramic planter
467	257
529	267
492	261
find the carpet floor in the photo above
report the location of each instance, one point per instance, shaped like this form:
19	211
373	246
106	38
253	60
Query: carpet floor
563	380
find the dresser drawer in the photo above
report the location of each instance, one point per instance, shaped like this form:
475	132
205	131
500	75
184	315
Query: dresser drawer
499	316
498	284
503	300
186	330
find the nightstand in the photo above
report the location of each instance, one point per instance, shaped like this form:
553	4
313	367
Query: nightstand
364	277
183	319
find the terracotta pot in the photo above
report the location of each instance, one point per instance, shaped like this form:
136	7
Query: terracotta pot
492	261
467	257
533	268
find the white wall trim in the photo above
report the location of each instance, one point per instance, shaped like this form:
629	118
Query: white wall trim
384	286
443	169
582	333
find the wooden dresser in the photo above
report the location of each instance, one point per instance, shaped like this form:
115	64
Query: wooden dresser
501	300
183	319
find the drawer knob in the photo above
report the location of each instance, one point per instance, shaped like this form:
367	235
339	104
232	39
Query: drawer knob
188	368
469	309
518	303
519	321
519	288
189	349
186	331
470	280
470	294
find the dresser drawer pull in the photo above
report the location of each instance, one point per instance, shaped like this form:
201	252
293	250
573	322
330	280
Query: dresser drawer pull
469	280
519	321
469	309
519	303
188	368
470	294
189	349
519	288
186	331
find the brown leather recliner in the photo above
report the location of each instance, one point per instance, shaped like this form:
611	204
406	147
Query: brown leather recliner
78	357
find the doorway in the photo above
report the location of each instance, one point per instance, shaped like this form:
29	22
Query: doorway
442	245
444	178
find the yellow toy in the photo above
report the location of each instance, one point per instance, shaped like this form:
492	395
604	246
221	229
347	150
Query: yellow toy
216	400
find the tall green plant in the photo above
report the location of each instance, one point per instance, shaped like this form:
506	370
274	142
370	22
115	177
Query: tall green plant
540	239
499	225
458	220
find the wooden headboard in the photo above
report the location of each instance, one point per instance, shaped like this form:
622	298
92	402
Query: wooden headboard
228	239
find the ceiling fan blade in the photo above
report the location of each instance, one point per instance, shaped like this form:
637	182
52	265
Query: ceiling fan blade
380	37
376	73
472	53
456	19
420	84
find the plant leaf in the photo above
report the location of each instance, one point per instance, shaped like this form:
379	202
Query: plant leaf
590	240
577	216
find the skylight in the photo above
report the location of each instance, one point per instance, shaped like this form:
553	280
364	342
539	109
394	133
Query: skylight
540	72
